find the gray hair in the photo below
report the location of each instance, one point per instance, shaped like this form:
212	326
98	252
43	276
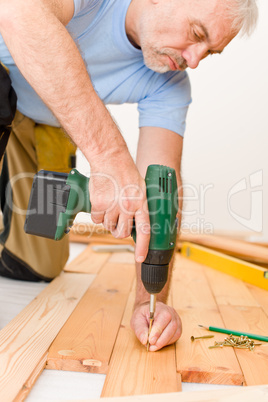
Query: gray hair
244	15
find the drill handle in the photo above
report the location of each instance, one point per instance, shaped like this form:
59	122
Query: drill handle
78	201
79	198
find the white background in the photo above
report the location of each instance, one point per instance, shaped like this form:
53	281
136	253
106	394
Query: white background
226	137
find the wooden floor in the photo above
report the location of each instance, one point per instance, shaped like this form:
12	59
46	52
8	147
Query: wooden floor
97	337
201	295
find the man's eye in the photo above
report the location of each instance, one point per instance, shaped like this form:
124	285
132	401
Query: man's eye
198	37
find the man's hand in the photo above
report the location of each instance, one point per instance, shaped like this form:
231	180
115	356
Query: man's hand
166	328
118	195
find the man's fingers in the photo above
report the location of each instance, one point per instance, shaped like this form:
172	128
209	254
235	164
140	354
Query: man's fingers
97	217
124	226
139	324
166	329
142	224
170	335
110	221
160	323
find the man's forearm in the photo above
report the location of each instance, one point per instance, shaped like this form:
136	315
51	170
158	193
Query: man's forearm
48	58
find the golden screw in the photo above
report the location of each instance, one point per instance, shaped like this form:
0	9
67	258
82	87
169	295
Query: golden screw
201	337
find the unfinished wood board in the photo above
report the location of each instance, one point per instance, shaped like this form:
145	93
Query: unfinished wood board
253	320
229	290
195	303
261	296
25	340
133	370
190	287
230	394
86	341
122	258
234	247
242	312
27	386
88	262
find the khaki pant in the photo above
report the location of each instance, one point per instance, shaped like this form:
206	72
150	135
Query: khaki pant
31	147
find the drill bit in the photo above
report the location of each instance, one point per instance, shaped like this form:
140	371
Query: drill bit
152	310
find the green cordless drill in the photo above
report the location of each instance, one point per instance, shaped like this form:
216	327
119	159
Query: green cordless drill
56	198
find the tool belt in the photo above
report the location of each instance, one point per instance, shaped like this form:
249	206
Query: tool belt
8	101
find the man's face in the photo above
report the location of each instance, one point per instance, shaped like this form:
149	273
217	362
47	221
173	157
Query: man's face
179	33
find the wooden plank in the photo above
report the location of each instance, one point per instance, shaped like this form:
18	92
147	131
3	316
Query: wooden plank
179	382
86	341
234	247
261	297
25	340
27	386
122	258
133	370
88	262
249	273
241	311
250	319
229	290
230	394
195	303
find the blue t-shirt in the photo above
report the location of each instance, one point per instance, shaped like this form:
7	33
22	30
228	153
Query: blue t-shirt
116	69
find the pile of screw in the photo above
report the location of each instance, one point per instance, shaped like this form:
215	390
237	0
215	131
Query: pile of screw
241	342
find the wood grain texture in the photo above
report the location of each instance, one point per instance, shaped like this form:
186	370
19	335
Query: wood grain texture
25	340
230	394
254	364
27	386
261	297
133	370
86	341
229	290
237	248
122	258
195	303
88	262
241	311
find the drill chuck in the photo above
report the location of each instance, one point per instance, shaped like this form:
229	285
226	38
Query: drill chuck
154	277
154	270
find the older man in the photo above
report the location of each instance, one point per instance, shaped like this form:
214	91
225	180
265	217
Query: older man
67	58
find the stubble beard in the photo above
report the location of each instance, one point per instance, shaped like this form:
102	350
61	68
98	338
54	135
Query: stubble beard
151	60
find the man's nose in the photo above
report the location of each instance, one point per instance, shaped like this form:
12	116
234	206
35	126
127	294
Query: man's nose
193	55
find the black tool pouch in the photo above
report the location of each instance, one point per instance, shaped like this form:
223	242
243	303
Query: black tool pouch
8	101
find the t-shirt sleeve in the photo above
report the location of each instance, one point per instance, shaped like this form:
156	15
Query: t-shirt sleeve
168	104
85	6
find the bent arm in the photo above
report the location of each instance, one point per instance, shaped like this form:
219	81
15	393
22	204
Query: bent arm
49	59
